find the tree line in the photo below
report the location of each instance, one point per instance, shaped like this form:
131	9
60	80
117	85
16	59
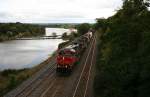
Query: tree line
10	31
123	60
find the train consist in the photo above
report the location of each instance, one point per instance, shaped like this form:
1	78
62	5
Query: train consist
68	56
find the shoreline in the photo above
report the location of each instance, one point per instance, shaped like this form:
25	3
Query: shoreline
11	78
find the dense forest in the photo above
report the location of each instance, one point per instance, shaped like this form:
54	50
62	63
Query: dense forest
123	62
10	31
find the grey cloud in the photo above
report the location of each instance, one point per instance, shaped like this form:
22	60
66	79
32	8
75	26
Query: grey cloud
71	20
56	11
70	15
5	15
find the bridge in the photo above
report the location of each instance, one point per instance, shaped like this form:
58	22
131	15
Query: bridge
40	37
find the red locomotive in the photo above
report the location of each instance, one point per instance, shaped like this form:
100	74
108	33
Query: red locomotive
67	57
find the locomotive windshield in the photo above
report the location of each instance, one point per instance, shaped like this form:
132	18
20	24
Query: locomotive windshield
66	53
61	53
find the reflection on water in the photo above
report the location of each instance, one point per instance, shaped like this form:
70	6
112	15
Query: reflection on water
18	54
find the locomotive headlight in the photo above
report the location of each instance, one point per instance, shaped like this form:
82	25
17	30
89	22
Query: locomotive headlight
66	66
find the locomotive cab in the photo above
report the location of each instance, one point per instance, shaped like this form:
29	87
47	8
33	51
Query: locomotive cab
66	59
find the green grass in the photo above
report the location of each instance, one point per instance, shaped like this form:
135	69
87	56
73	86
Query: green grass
10	79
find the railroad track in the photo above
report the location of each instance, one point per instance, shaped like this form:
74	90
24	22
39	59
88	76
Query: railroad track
33	82
83	81
49	84
36	84
55	88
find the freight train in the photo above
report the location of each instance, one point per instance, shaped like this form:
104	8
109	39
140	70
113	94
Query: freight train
68	56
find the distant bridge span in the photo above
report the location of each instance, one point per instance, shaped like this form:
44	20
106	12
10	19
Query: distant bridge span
41	37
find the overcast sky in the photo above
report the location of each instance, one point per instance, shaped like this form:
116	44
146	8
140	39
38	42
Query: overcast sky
56	11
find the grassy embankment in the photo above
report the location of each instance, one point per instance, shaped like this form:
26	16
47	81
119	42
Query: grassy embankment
9	79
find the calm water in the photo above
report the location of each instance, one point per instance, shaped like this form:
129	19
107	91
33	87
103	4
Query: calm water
18	54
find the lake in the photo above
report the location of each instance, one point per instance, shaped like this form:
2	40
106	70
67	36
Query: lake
19	54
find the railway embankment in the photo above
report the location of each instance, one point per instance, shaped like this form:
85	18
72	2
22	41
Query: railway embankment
10	79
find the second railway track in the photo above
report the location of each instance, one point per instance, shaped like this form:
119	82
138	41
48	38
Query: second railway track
82	84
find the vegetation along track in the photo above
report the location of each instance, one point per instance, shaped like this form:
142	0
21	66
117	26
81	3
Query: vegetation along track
54	85
29	85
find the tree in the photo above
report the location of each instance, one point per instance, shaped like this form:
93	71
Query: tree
83	28
13	30
64	36
123	61
54	34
